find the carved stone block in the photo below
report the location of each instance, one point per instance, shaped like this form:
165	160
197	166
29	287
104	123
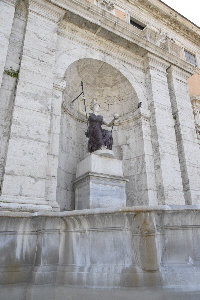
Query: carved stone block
106	4
100	183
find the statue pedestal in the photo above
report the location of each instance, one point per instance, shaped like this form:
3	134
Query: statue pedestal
99	183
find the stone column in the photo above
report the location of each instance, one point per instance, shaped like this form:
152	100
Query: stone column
25	182
7	10
166	159
188	148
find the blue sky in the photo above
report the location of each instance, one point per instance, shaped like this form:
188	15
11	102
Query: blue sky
189	9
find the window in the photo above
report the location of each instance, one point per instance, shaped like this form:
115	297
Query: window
137	24
189	57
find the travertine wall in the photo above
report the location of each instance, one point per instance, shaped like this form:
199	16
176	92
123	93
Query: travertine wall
11	68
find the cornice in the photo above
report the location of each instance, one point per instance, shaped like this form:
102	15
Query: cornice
153	62
179	73
103	24
11	2
101	45
46	9
171	18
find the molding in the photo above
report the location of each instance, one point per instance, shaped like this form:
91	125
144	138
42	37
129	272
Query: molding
171	18
179	73
153	62
91	175
168	210
100	45
137	114
59	85
73	113
47	10
15	207
89	18
10	2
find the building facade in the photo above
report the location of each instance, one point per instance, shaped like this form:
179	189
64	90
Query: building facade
124	52
131	54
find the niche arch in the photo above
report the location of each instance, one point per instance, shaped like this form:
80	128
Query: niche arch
115	94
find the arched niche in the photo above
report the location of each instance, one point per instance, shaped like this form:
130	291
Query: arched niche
115	94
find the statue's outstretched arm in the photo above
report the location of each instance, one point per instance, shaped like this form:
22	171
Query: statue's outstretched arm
111	123
80	111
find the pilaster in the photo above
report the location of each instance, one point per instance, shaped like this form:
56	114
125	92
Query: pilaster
141	189
53	147
186	136
7	10
28	167
166	162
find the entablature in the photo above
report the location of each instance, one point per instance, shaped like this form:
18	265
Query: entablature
105	25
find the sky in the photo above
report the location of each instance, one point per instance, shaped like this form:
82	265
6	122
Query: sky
189	9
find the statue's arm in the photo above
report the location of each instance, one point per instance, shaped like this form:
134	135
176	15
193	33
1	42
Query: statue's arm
111	123
80	111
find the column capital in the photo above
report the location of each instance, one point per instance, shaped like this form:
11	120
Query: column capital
47	10
152	61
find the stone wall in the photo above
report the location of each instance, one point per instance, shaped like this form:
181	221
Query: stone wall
138	247
10	76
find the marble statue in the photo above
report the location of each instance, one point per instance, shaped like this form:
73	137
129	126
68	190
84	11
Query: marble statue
197	115
98	137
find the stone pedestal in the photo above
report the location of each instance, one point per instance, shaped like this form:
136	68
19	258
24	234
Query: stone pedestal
99	183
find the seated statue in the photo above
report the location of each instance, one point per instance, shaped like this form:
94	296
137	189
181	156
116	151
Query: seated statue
98	137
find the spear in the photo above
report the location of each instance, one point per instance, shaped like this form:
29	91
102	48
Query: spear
80	93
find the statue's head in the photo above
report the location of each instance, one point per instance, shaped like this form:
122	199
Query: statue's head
94	105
